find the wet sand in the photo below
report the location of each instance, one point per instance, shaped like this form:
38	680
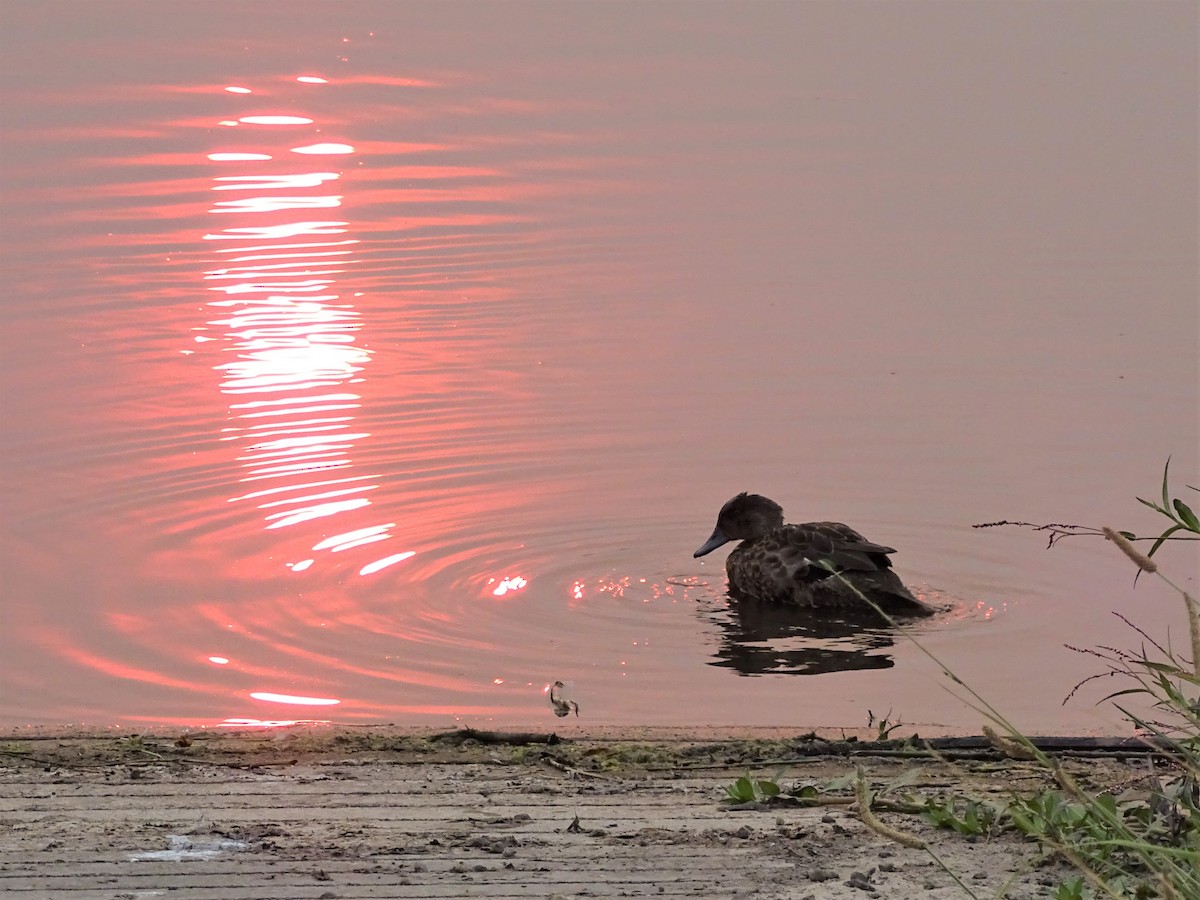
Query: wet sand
346	813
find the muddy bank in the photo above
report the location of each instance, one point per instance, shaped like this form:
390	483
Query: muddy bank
346	813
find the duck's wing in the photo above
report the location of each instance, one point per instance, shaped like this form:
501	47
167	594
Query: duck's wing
836	544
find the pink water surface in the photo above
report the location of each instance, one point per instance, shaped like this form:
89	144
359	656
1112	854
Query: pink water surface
399	355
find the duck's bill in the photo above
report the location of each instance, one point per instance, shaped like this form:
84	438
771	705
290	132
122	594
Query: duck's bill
718	538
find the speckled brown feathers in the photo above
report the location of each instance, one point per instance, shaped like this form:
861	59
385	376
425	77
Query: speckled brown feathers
782	563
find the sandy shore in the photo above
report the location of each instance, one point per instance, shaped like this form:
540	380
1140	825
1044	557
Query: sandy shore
346	813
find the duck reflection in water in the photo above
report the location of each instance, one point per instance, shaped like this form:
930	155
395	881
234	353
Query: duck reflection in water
760	638
803	581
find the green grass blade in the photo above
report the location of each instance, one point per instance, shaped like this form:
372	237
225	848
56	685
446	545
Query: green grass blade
1162	537
1154	506
1186	515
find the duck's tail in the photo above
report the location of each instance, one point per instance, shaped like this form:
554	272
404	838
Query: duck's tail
886	590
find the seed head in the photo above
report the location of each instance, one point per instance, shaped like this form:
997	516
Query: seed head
1143	562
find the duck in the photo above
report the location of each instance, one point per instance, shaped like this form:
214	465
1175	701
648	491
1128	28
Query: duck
780	563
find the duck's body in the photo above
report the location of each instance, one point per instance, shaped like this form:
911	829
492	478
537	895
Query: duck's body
787	563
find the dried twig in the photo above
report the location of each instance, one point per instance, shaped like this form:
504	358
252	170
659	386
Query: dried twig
563	767
516	738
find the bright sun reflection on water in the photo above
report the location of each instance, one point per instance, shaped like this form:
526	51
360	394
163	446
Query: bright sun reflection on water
281	336
324	149
268	697
508	585
275	120
291	340
270	723
381	564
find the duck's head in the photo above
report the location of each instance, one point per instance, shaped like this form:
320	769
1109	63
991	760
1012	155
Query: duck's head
744	518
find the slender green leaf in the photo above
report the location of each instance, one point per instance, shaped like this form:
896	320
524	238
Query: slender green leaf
841	782
1154	506
1124	692
1187	516
1160	666
1162	537
1023	821
907	777
1166	495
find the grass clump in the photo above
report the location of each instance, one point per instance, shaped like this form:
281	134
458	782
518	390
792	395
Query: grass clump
967	816
1144	841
